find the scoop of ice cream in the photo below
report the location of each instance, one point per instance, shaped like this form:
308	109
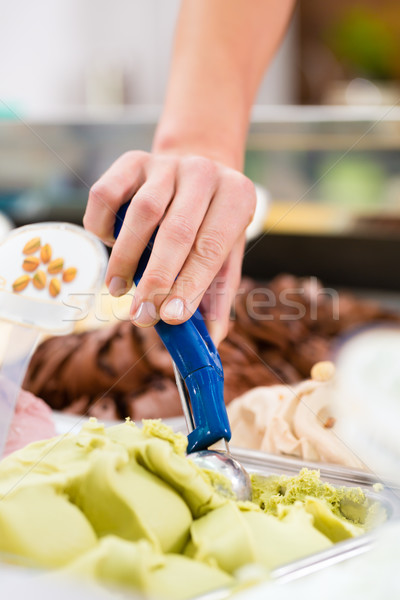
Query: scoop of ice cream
32	421
124	505
138	565
27	515
232	538
296	420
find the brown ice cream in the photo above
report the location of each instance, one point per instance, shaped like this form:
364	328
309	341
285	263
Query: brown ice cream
121	370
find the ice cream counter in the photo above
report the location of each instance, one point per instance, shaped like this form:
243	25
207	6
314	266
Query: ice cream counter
125	501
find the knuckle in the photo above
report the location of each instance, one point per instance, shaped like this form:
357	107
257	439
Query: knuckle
97	193
245	196
106	194
205	167
209	247
148	206
244	186
186	286
158	280
180	230
134	155
120	255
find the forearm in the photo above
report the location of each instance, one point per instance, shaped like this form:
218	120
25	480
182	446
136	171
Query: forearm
222	48
190	186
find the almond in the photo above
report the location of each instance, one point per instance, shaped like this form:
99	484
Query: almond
45	253
21	283
39	280
56	266
54	287
30	263
69	274
31	246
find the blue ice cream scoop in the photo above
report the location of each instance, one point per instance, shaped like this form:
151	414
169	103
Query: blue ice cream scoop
200	380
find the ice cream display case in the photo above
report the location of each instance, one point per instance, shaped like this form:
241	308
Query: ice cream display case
330	175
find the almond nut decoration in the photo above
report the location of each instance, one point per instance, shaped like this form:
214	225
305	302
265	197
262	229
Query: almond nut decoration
39	279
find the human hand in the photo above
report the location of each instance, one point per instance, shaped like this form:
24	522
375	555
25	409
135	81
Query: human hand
202	208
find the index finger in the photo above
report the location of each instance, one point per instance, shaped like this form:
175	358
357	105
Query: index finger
115	187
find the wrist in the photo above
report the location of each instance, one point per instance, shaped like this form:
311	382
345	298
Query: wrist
175	136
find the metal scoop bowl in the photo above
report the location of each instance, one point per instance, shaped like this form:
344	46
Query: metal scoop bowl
219	459
223	463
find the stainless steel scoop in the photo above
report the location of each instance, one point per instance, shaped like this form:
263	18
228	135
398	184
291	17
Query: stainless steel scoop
220	461
200	381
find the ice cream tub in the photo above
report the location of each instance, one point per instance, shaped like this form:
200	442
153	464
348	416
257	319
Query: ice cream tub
385	493
100	492
265	464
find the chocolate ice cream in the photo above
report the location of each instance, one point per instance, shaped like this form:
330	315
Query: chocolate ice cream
277	332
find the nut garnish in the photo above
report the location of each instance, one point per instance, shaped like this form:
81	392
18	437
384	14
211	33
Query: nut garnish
54	287
45	253
56	266
30	263
323	371
31	246
39	280
69	274
21	283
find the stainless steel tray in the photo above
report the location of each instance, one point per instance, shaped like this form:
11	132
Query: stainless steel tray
263	463
267	464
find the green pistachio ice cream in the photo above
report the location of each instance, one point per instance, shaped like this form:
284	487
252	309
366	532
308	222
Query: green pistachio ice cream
124	505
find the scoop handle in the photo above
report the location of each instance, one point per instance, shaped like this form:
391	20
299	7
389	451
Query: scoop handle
197	360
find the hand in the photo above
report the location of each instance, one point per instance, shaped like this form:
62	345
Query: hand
203	209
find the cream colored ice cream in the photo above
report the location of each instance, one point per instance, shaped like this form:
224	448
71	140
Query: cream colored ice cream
124	505
295	420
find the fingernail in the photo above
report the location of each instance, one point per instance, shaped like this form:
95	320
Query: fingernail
174	309
118	286
146	315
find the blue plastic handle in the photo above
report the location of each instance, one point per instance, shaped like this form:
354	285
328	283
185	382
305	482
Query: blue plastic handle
197	360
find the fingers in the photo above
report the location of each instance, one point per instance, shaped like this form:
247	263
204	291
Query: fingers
202	210
229	214
142	217
113	189
217	302
196	184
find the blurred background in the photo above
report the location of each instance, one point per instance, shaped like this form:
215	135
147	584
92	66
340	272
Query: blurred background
82	82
